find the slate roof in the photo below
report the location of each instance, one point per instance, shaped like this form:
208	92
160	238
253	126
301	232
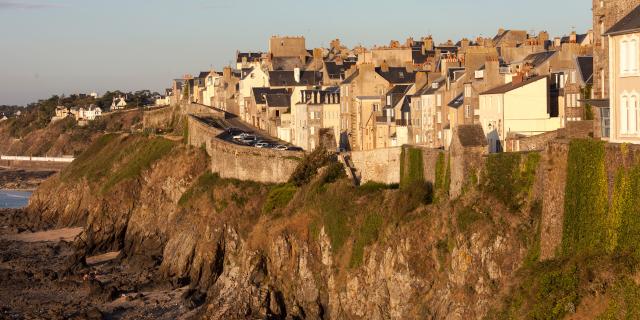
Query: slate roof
286	79
352	77
397	75
278	100
457	101
512	86
585	66
260	93
397	93
287	63
335	71
204	74
471	135
630	23
579	38
245	72
539	58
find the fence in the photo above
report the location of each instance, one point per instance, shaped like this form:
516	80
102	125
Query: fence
38	159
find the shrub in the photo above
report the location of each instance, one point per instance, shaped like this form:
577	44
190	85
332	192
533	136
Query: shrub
279	197
335	171
309	166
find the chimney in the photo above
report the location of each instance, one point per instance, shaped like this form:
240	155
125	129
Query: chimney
573	38
543	37
226	73
410	67
518	78
501	31
421	79
428	43
464	43
296	75
409	42
244	61
384	67
338	60
557	42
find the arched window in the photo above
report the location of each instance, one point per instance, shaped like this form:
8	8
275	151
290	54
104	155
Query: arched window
624	112
635	110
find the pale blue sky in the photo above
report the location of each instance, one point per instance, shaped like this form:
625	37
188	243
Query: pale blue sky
66	46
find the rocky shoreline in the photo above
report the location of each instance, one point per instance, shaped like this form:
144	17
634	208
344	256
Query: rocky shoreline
22	180
39	279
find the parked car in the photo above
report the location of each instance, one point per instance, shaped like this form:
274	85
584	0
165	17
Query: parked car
240	136
292	148
281	147
262	144
249	140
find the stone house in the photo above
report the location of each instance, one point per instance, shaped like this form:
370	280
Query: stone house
211	80
118	103
256	108
624	78
606	13
318	109
226	91
522	107
252	77
249	60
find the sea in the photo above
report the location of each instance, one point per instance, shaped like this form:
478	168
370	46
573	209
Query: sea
10	199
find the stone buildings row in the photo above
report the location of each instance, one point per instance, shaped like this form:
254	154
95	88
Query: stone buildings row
513	85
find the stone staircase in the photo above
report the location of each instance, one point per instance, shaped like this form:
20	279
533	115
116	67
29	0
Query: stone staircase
352	172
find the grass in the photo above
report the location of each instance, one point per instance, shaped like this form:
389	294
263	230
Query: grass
467	217
205	183
279	197
411	167
139	157
367	234
510	177
95	162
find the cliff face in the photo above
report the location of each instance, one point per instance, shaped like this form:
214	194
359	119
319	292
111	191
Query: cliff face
332	252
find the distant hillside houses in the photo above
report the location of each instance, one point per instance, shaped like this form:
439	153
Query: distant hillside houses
88	113
515	84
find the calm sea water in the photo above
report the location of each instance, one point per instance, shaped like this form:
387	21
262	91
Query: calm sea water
14	199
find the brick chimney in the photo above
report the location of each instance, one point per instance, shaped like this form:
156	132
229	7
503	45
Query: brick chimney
226	73
367	67
409	42
464	43
338	60
573	38
427	44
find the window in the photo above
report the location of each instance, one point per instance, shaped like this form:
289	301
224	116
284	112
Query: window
467	111
376	107
439	117
438	100
629	55
467	90
624	114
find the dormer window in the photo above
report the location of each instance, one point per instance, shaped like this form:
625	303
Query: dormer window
401	74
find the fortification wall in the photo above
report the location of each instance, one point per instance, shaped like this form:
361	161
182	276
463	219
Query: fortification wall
380	165
249	163
159	118
554	179
199	132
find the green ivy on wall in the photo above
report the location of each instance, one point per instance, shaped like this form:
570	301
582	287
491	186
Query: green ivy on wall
411	167
586	199
443	176
510	177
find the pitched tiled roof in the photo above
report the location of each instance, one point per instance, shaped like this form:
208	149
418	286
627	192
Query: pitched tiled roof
512	86
287	79
630	23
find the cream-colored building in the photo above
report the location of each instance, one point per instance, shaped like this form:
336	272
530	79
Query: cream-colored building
521	107
624	78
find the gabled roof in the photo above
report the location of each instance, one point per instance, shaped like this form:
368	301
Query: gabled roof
259	93
286	78
579	38
457	101
397	93
203	74
630	23
245	72
512	86
278	100
429	89
397	75
585	66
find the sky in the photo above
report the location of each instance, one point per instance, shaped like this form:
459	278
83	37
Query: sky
80	46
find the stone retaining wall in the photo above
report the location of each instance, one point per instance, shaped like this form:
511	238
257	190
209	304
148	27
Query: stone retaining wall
200	132
252	164
380	165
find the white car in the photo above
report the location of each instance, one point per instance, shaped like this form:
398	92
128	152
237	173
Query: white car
280	147
240	136
262	145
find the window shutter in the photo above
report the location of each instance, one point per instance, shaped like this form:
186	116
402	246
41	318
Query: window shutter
623	57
